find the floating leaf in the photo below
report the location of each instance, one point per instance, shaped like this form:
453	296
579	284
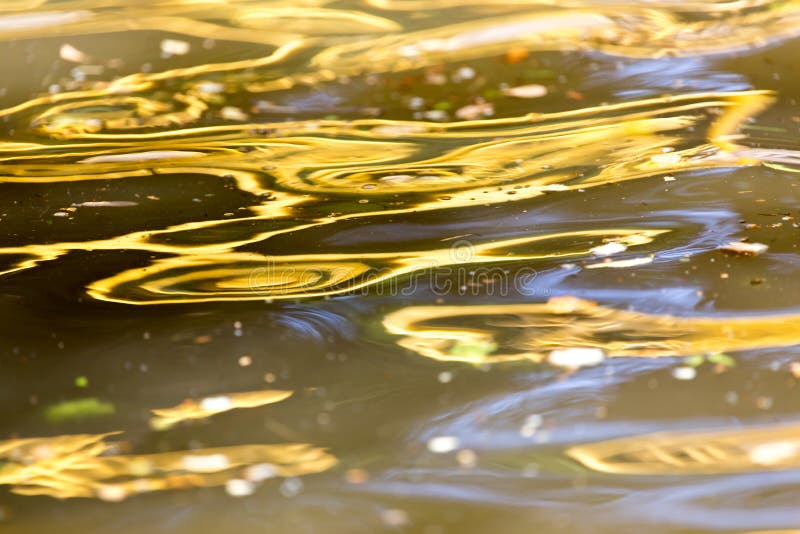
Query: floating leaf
721	359
78	409
694	360
166	418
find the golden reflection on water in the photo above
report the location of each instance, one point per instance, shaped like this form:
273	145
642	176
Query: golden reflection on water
649	30
370	161
308	174
88	465
247	276
705	452
531	331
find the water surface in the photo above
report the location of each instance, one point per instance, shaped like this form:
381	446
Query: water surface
393	265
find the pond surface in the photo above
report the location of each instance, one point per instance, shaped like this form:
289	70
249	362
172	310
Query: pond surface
394	265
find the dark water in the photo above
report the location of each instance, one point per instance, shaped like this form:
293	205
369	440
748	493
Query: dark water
399	266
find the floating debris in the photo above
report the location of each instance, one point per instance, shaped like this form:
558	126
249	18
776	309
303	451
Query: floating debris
744	248
533	90
475	111
67	52
356	476
232	113
516	54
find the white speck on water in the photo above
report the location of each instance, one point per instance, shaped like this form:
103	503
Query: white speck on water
467	458
416	103
232	113
684	373
394	518
70	53
436	115
205	463
211	88
443	444
530	471
464	73
608	249
237	487
526	91
174	47
532	423
445	377
213	404
260	472
577	357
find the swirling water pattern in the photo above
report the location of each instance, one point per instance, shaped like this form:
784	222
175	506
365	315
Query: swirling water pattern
475	256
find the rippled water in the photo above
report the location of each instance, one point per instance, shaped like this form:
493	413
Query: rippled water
394	265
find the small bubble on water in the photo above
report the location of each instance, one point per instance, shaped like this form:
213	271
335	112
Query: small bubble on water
291	487
260	472
394	518
445	377
237	487
530	471
466	458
